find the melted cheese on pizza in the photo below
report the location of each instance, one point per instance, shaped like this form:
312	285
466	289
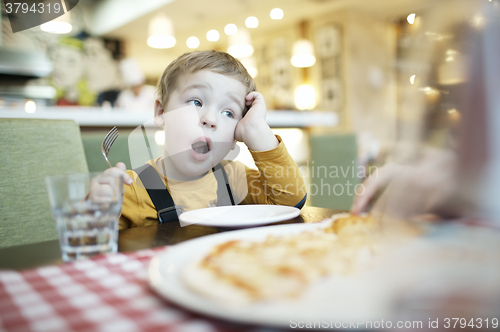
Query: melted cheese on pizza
283	266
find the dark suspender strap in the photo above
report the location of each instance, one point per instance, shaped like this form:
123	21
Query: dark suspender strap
224	194
162	200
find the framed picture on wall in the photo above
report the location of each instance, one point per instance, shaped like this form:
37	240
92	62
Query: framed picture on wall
280	72
330	67
280	47
329	41
332	95
329	52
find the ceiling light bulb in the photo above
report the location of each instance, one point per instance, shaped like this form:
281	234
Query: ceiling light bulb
305	97
230	29
240	45
250	64
252	22
303	54
412	79
213	35
240	50
276	14
192	42
59	25
30	106
56	27
161	41
161	32
411	18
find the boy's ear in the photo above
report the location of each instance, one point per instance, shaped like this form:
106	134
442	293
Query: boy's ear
159	114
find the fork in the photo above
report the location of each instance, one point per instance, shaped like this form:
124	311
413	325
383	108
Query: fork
108	142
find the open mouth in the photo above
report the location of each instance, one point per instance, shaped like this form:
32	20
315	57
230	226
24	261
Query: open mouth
201	147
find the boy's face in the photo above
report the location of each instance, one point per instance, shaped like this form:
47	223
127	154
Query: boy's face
200	121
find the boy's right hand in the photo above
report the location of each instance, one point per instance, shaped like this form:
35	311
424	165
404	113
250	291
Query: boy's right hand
101	190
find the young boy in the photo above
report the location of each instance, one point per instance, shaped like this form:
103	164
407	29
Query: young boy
206	102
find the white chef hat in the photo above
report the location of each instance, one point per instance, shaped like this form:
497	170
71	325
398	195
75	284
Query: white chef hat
131	73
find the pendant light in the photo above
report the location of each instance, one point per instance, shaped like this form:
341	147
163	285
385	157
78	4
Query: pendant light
303	57
240	44
59	25
161	32
303	50
251	65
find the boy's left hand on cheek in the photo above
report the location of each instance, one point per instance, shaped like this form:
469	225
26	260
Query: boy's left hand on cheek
253	129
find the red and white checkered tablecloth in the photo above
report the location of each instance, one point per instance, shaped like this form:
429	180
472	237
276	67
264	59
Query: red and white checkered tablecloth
106	293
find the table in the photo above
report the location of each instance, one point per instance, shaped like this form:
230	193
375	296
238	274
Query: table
107	292
112	292
48	252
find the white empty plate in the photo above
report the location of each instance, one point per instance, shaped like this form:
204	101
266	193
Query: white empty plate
239	215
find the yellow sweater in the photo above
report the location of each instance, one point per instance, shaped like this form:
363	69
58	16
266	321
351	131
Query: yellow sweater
277	181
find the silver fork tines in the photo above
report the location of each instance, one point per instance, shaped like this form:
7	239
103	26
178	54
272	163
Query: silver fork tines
108	142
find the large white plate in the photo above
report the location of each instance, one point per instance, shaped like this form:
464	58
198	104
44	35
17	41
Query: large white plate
336	299
368	296
239	215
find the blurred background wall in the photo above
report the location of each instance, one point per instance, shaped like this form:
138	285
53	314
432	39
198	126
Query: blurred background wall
356	75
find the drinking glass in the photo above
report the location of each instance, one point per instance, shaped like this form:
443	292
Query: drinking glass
86	225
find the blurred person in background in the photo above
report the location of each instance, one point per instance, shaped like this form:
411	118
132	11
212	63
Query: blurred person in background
458	177
137	96
453	270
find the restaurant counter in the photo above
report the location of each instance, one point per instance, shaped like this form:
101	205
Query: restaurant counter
101	117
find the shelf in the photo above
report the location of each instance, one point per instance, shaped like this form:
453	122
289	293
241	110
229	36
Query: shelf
97	117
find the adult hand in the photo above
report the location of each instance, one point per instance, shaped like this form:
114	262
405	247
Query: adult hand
373	185
425	187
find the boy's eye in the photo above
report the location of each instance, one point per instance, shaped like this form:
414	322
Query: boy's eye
195	102
228	113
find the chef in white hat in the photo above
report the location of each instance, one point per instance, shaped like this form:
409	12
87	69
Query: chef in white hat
137	96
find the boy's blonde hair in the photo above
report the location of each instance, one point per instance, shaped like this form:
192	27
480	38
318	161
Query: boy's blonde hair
189	63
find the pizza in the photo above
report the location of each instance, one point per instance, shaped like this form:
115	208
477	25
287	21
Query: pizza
283	267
